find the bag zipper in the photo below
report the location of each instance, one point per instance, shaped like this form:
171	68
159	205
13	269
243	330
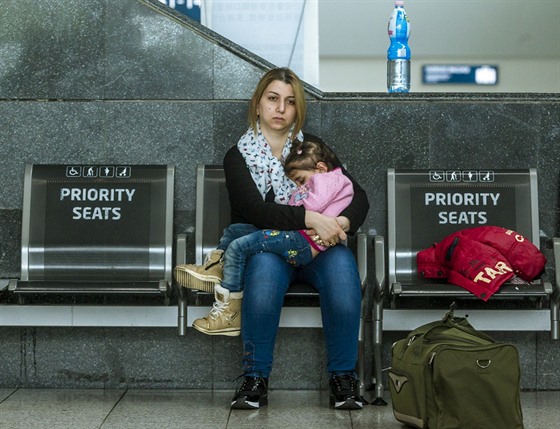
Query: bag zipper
471	339
456	347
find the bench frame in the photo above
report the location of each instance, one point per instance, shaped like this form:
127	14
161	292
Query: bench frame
388	274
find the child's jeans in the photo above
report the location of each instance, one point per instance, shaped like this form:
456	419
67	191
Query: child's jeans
289	245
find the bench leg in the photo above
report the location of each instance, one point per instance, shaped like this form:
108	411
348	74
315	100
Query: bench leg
181	258
361	353
182	312
378	352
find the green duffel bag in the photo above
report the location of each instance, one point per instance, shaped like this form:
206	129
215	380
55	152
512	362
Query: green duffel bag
446	374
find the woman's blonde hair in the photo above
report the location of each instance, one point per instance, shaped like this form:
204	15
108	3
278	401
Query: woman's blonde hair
287	76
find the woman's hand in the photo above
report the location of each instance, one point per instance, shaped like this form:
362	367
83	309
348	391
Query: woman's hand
327	228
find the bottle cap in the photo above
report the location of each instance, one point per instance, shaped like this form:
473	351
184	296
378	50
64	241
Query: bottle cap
399	3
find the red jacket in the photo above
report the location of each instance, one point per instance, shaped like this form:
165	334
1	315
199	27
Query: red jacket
481	259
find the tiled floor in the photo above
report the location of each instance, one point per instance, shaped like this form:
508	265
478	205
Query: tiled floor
138	409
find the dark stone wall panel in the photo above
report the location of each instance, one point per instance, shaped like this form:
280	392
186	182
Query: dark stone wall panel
234	78
161	133
52	49
10	239
49	133
150	56
485	135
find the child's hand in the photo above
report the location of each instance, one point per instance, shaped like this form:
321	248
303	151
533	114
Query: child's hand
344	223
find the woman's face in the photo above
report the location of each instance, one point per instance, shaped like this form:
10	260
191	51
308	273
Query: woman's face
277	107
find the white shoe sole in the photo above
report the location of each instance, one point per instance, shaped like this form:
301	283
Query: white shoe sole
230	332
244	404
349	404
190	280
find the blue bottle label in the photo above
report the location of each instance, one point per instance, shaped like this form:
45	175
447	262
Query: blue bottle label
399	31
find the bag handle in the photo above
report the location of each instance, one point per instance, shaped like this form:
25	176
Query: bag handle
463	324
448	320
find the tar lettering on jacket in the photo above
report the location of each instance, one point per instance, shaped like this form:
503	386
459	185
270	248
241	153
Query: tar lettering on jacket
461	199
488	274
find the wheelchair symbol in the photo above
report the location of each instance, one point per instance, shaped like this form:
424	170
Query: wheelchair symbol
73	171
437	176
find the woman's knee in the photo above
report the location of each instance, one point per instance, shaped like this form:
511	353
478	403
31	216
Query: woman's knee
333	267
267	277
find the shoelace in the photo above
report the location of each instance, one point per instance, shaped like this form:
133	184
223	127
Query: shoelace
217	309
251	384
345	384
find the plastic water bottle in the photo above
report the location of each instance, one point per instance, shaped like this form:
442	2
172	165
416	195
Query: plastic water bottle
398	54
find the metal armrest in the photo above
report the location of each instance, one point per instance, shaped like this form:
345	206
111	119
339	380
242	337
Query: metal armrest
361	257
555	296
556	250
181	255
380	273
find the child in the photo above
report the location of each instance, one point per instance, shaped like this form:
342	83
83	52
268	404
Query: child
322	188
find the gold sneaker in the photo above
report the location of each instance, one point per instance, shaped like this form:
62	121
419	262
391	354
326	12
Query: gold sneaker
202	277
225	316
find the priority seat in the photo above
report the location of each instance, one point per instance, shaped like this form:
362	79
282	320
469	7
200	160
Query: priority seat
105	229
212	217
424	206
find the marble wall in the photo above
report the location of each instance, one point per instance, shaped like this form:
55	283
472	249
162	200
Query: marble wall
99	81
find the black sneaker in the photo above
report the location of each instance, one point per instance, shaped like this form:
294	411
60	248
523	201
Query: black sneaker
344	393
252	394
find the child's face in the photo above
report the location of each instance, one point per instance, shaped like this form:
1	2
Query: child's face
301	177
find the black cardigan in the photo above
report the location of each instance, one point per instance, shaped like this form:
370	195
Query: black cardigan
247	205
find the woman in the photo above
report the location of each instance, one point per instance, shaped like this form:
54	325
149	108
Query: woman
259	193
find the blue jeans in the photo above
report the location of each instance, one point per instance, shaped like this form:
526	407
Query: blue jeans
289	245
233	232
334	274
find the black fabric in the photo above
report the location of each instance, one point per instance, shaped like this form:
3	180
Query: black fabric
247	205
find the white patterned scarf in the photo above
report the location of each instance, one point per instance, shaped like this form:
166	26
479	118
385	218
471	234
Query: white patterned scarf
267	170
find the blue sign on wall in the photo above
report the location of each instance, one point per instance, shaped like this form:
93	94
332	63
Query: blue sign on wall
191	8
460	74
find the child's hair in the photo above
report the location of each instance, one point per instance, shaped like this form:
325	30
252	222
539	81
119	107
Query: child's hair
304	155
